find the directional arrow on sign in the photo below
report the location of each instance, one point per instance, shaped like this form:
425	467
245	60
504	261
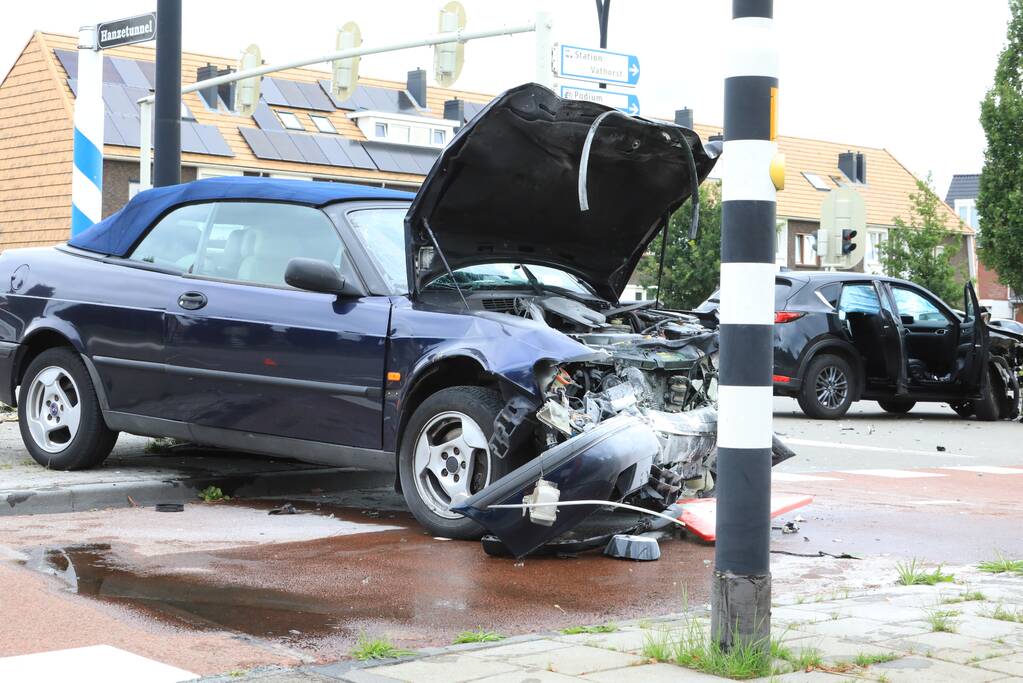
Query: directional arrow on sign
591	64
622	101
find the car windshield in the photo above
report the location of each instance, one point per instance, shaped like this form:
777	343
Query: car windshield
382	231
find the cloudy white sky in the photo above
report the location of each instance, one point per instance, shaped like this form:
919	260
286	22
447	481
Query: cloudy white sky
906	75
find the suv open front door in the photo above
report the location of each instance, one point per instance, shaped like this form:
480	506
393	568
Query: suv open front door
893	340
973	343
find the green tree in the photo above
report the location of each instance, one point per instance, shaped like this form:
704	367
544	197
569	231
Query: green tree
1000	203
912	249
691	268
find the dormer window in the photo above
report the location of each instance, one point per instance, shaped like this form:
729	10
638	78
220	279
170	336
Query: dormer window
404	129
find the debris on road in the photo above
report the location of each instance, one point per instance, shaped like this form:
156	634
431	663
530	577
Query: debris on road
286	509
170	507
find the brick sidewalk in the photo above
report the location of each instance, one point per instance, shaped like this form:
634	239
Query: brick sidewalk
899	628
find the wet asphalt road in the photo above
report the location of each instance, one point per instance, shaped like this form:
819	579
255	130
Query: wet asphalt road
242	587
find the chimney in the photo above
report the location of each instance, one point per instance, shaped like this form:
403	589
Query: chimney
416	86
209	95
847	165
226	90
861	168
684	117
454	110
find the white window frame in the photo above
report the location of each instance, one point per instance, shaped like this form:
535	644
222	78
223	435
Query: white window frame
323	124
804	240
816	181
872	259
781	242
283	117
404	129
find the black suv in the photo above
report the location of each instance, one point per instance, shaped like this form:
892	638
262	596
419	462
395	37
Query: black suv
843	337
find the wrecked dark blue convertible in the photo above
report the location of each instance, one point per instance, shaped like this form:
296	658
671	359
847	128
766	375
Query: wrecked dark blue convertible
452	336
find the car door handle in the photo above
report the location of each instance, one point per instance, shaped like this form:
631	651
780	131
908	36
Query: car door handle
192	301
941	331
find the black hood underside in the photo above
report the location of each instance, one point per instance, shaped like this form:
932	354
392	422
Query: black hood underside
507	189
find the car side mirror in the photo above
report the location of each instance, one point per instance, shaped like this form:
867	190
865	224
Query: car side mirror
315	275
907	319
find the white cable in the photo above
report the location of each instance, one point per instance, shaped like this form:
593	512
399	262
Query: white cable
519	506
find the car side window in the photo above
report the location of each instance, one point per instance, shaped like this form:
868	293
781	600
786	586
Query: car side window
913	303
174	241
254	241
830	293
859	298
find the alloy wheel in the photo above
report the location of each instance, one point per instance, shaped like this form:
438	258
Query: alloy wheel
451	461
831	387
54	409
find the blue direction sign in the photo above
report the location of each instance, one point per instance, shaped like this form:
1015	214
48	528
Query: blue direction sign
622	101
590	64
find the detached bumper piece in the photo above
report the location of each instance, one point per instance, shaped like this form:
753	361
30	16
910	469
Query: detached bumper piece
607	462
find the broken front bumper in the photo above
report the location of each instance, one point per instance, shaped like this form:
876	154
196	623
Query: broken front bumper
607	462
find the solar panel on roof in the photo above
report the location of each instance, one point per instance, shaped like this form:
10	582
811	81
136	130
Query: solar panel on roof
264	117
116	100
357	153
149	71
281	140
292	95
271	93
317	99
383	158
110	74
130	72
384	100
190	141
258	143
335	153
213	140
395	159
127	127
69	60
308	148
472	109
111	136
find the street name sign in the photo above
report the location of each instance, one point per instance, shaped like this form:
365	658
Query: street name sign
126	31
602	66
622	101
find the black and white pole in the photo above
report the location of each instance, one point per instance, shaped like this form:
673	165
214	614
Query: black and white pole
741	592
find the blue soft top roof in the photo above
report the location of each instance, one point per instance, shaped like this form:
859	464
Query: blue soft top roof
116	234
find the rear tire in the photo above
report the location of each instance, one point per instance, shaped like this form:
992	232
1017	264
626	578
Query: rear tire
988	407
827	388
464	418
59	414
896	406
964	409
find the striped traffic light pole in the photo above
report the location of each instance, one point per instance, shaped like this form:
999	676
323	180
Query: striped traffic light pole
741	591
87	170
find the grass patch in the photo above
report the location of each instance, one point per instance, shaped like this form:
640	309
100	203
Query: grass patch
602	628
693	648
969	596
864	659
807	659
478	636
161	444
942	620
1001	565
912	573
376	648
213	494
1002	614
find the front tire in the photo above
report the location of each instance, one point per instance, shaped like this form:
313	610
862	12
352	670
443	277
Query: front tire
828	387
59	414
988	407
896	407
445	456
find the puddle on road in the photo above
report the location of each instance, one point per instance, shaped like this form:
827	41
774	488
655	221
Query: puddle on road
402	583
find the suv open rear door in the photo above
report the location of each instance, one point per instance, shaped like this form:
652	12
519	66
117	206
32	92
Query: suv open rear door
973	342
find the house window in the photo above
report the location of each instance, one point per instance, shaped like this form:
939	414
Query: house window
781	237
323	124
817	182
289	120
806	249
639	295
874	240
398	133
438	136
380	130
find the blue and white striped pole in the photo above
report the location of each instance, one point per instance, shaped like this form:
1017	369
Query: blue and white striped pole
87	175
741	592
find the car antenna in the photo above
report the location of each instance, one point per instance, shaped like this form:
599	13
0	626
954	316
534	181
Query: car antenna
440	252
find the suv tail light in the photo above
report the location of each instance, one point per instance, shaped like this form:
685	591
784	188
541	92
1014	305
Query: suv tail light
787	316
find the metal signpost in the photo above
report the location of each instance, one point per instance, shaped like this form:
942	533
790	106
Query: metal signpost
741	588
167	132
622	101
87	173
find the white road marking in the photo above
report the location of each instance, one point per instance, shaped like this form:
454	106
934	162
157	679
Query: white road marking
895	474
792	476
986	469
877	449
937	502
87	664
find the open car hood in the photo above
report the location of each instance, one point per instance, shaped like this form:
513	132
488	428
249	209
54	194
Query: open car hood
507	189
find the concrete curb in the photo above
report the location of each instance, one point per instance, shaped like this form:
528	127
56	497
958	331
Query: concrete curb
147	492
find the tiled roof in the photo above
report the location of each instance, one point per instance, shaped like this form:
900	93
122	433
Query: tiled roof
963	186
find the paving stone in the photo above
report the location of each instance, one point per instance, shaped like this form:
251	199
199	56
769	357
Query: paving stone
804	677
630	640
518	649
884	611
836	649
788	615
528	676
444	669
926	670
577	659
866	630
1010	664
651	673
987	628
952	647
363	676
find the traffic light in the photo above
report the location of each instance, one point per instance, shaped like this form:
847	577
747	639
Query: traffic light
848	246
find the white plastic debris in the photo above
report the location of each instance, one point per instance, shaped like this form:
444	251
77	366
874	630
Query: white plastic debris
544	496
627	547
